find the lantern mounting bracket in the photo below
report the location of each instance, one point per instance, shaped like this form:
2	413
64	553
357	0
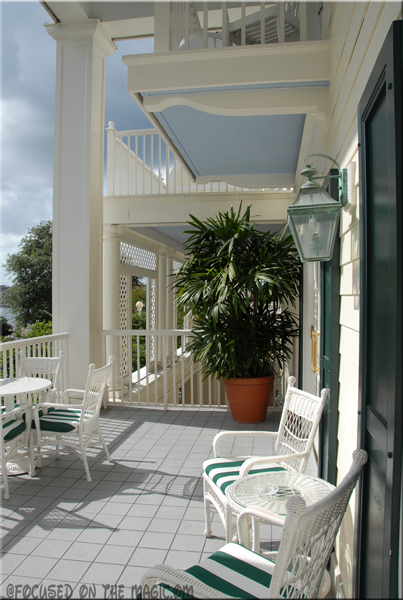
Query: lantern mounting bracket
311	173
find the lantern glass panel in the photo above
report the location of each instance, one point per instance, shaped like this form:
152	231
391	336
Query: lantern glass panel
314	234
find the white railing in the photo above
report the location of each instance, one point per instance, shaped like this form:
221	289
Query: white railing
248	24
141	162
44	346
173	380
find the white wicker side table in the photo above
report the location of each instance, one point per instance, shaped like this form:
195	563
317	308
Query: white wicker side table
271	491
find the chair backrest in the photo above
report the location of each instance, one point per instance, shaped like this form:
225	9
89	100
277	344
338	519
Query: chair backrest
94	391
45	367
300	419
308	538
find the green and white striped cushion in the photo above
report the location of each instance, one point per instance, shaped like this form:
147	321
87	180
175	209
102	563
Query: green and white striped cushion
224	471
60	420
233	570
12	428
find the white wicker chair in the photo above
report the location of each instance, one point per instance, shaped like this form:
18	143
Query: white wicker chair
45	367
295	571
293	443
75	426
15	435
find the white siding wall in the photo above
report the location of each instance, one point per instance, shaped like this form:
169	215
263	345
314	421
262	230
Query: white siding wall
357	32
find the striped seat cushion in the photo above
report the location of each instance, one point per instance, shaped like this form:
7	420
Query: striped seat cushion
233	570
224	471
60	420
12	428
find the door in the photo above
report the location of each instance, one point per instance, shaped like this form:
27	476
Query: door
380	408
329	351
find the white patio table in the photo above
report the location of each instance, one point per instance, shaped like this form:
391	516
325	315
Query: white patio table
22	388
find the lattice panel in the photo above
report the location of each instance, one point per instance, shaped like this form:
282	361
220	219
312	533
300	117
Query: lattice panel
153	314
123	313
137	257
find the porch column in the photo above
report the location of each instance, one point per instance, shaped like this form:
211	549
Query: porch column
162	297
111	291
170	293
82	47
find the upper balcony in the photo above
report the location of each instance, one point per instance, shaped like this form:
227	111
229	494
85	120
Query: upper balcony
239	89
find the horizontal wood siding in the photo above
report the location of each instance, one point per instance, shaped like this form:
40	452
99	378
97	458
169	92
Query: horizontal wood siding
357	32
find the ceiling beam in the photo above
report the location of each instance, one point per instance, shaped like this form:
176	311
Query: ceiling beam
165	210
226	67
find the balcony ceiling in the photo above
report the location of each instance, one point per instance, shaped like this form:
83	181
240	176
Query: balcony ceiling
245	115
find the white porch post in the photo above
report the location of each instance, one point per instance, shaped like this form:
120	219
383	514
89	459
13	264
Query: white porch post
162	296
111	289
78	190
170	293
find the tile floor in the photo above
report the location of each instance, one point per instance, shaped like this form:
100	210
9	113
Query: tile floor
95	540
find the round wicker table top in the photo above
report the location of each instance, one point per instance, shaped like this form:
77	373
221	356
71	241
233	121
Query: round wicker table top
272	490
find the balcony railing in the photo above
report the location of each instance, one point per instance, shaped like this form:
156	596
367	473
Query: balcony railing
248	24
160	372
44	346
141	162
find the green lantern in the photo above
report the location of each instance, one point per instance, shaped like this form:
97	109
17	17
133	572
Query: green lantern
313	218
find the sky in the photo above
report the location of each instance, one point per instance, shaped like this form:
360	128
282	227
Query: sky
27	108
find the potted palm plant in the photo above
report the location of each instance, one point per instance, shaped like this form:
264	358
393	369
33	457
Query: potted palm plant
240	285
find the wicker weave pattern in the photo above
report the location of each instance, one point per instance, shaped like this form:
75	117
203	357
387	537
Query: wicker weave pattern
295	571
299	422
44	367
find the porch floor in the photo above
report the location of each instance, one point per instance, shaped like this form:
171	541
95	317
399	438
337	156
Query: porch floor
145	508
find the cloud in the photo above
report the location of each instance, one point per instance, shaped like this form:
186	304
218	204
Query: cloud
28	106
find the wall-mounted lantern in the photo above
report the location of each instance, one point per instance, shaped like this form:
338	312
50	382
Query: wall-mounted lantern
314	216
139	306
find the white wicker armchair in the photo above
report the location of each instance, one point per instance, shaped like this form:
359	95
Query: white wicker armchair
74	426
293	443
45	367
295	571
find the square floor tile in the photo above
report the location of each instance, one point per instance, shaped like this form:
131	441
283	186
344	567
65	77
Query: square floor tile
69	570
157	540
35	566
83	551
103	573
95	535
51	548
126	537
147	557
119	555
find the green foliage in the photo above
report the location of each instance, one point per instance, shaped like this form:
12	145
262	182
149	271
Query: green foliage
139	293
5	327
30	297
234	281
38	329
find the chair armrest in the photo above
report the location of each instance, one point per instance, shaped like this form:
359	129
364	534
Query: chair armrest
261	514
183	581
54	405
219	436
254	462
19	409
66	394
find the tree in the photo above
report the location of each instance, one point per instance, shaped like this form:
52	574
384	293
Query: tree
30	297
5	327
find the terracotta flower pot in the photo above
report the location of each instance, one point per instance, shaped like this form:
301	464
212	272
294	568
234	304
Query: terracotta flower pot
248	399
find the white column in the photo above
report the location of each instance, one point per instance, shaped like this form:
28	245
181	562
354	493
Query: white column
111	291
170	293
162	297
82	47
